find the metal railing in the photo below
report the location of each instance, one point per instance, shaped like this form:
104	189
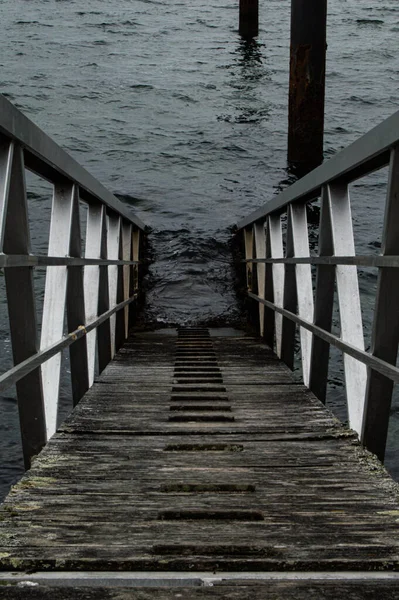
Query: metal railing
280	279
93	286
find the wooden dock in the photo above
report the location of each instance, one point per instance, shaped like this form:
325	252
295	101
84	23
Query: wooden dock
196	459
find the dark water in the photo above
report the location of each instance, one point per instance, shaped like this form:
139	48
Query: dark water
164	103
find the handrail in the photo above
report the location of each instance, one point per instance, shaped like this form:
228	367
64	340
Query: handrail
365	155
95	287
44	157
279	280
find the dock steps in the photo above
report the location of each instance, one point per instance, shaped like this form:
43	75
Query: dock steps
151	474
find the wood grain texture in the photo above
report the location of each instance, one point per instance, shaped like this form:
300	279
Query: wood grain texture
122	487
228	591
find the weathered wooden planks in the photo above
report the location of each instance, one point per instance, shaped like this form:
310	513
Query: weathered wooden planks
282	486
229	591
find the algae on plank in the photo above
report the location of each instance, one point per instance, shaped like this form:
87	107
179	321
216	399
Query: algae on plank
31	482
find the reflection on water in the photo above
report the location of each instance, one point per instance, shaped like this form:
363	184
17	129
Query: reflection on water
250	56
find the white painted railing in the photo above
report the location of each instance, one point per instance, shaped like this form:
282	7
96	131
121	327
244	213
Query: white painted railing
92	286
281	281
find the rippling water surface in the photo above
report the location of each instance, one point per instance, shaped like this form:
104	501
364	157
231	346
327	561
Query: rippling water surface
164	103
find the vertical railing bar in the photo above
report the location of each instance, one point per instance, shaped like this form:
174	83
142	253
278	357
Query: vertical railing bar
103	330
120	326
269	314
22	309
260	249
348	301
324	303
76	308
277	272
94	229
303	273
290	299
136	237
113	238
134	277
55	298
385	333
126	255
6	157
249	254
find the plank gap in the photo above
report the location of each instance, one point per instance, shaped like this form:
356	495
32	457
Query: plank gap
204	448
210	515
202	407
239	488
201	418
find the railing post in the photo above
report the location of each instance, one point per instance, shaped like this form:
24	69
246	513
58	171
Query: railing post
348	301
249	254
324	302
260	248
303	274
249	266
134	272
104	330
76	308
113	237
275	250
126	255
269	314
136	236
120	325
290	300
94	232
6	161
55	298
385	335
15	239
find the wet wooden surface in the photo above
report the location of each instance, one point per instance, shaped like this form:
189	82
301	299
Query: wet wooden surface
228	591
254	474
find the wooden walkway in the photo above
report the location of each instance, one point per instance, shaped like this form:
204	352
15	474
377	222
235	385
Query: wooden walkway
198	453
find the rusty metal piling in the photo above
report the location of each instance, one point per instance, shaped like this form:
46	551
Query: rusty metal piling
249	18
307	81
